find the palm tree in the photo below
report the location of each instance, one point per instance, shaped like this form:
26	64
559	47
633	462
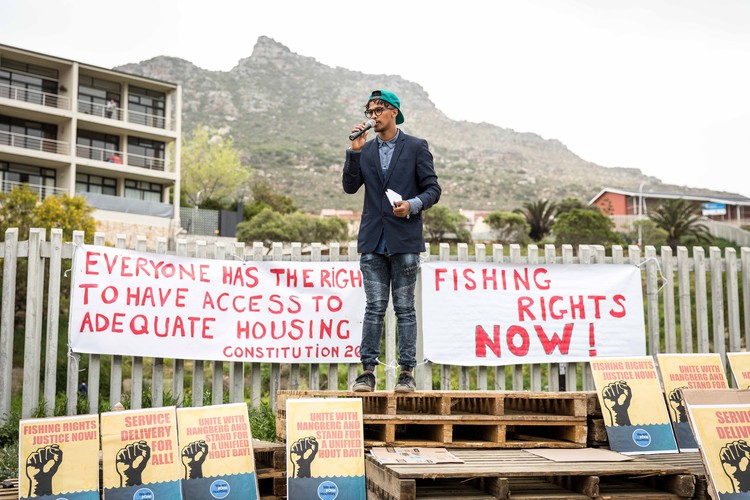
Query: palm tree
540	215
679	218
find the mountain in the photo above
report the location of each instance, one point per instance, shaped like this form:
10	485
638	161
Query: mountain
290	116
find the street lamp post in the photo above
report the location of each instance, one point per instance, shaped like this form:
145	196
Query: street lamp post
640	214
195	210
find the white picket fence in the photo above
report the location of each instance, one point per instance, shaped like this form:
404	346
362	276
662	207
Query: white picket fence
716	287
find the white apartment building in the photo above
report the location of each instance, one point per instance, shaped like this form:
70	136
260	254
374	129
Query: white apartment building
111	137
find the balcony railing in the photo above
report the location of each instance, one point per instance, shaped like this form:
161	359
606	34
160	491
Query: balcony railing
34	96
147	119
33	142
146	162
99	154
41	190
97	109
117	113
112	156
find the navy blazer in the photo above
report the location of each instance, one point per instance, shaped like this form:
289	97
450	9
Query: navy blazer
411	174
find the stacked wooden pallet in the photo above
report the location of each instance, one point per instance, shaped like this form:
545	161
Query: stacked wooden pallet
9	489
270	468
517	474
693	462
463	419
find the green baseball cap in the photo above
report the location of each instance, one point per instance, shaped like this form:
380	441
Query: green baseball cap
391	99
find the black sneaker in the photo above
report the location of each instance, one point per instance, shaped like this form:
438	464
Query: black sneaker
364	383
405	383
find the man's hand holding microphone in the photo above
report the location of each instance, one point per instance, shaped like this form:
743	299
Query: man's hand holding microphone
359	134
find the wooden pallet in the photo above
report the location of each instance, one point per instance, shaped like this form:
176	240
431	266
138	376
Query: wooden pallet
270	468
464	403
693	462
511	474
9	489
463	419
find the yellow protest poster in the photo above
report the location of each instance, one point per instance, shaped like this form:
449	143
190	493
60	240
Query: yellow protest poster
721	423
60	457
140	455
688	371
739	362
216	453
325	449
633	407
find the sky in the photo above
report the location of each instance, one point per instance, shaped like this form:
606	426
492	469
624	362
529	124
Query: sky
658	85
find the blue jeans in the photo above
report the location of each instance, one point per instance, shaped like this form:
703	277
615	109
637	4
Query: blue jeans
380	273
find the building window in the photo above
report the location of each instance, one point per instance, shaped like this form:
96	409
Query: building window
28	134
36	178
28	82
146	153
96	146
146	107
142	190
86	183
95	93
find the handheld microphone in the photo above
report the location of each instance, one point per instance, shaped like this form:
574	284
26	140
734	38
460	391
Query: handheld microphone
368	125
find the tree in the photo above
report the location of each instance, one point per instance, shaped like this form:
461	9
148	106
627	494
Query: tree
582	226
270	226
679	219
21	208
267	226
540	215
509	227
325	229
211	168
650	233
17	210
439	221
568	204
68	213
264	196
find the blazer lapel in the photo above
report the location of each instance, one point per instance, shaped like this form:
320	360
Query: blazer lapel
394	159
373	158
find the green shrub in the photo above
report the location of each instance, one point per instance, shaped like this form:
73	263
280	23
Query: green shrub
263	422
9	461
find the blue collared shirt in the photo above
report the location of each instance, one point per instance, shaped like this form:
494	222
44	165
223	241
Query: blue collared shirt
385	149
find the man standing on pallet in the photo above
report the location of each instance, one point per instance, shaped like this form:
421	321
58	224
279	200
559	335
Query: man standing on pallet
400	182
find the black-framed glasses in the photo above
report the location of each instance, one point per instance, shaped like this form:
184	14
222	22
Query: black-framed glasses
374	112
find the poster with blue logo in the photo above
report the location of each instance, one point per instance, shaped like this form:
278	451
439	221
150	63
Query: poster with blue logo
325	449
688	371
140	458
59	458
635	414
216	453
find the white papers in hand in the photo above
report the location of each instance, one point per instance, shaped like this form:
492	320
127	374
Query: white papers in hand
393	196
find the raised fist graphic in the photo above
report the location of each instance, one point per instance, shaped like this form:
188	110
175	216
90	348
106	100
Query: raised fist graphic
302	453
41	466
677	403
131	461
193	456
617	397
735	460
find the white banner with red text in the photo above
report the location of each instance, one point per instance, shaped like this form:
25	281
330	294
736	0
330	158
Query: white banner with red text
141	304
484	314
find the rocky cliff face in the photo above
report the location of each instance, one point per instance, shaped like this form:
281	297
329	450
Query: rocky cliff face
290	116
